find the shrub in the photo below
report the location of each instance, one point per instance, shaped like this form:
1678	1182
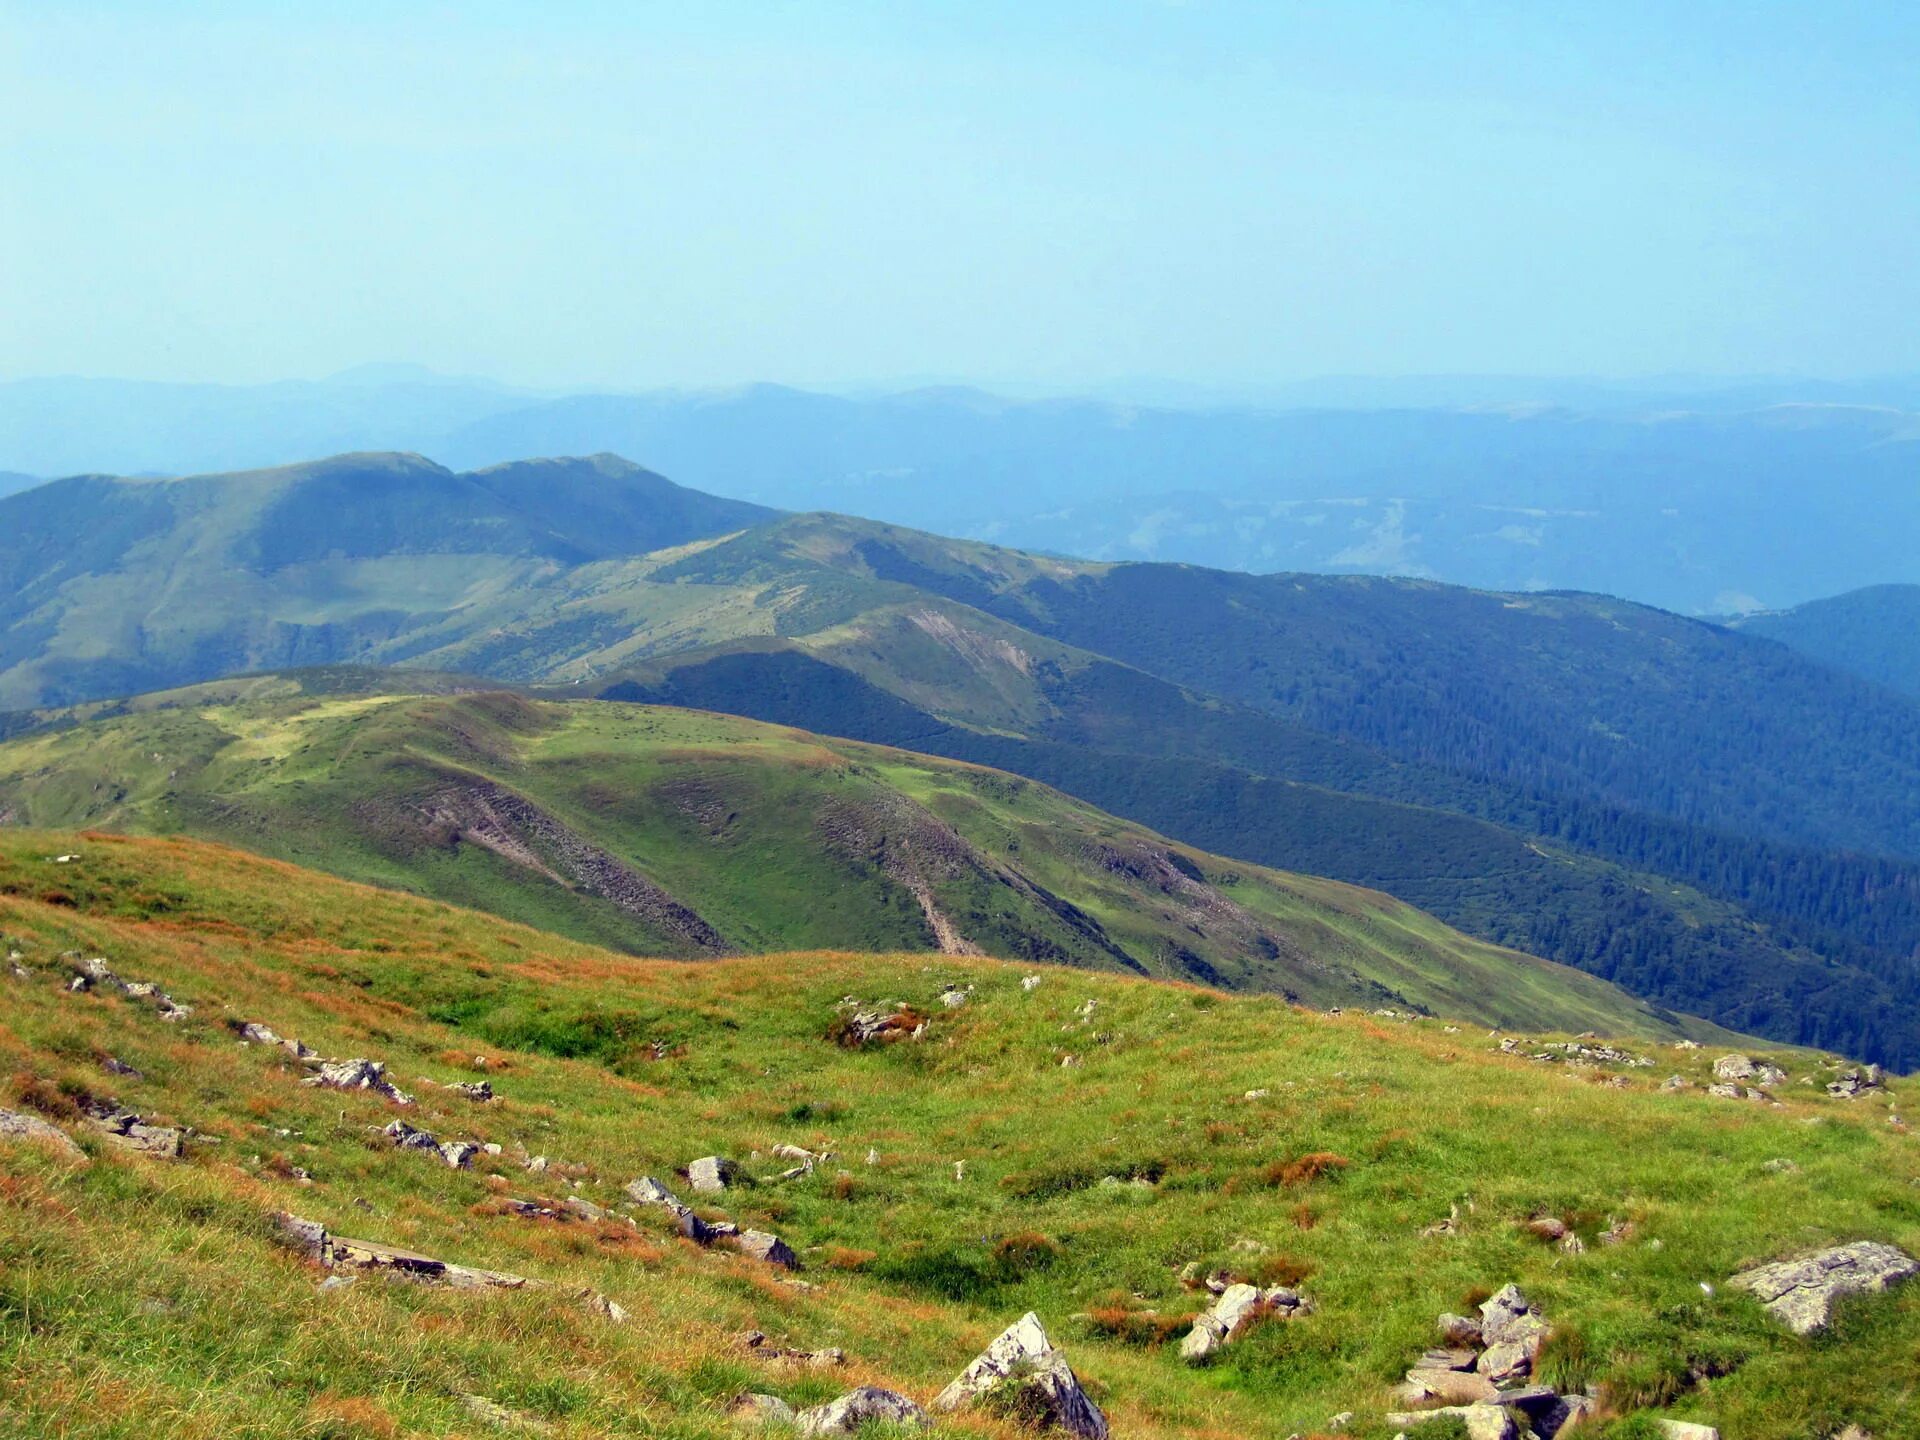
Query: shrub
1303	1170
1025	1251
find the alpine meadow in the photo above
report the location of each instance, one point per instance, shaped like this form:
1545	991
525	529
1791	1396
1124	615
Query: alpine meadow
1114	721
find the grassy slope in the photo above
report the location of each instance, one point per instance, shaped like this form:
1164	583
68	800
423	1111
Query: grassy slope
776	838
144	1298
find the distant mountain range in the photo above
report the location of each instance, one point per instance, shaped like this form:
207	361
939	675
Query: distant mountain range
1700	500
1701	815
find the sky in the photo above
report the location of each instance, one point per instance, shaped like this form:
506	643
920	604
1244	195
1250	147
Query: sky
1059	192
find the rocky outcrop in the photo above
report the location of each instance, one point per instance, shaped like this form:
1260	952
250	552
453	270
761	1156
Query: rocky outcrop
1852	1084
758	1347
1484	1364
866	1406
358	1073
714	1175
1482	1422
17	1125
94	973
1022	1369
314	1242
1238	1307
1801	1292
127	1131
1745	1067
770	1248
753	1408
1685	1430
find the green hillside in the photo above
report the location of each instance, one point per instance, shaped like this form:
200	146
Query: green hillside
1873	633
1700	816
1387	1171
111	586
673	832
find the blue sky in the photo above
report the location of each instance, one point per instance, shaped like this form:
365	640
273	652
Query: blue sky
1067	193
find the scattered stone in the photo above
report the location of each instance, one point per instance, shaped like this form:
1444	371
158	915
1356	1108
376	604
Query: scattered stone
1512	1333
760	1245
127	1131
714	1174
1780	1167
882	1024
1685	1430
407	1137
1745	1067
1736	1092
476	1090
1854	1083
1618	1232
1022	1367
1801	1292
254	1033
753	1408
584	1210
1676	1082
1030	982
1483	1421
1449	1386
953	997
1258	1094
865	1406
16	1125
1238	1306
759	1348
358	1073
459	1153
1548	1227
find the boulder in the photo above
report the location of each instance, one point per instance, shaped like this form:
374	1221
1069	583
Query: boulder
648	1191
1237	1305
867	1405
1546	1413
1483	1422
714	1174
1449	1386
1685	1430
753	1408
1854	1083
407	1137
477	1090
309	1237
1022	1367
358	1073
1745	1067
18	1125
1801	1292
458	1153
760	1245
1460	1330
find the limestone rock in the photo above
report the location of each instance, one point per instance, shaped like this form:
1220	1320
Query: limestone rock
714	1174
309	1237
1237	1305
1483	1421
760	1245
458	1153
867	1405
1801	1292
1854	1083
1685	1430
1745	1067
477	1090
1460	1330
358	1073
1451	1387
753	1408
1022	1364
18	1125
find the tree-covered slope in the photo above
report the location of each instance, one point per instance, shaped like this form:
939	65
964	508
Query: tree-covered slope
1389	1171
1873	633
681	833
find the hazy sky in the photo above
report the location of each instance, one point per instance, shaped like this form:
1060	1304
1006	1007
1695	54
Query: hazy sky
566	194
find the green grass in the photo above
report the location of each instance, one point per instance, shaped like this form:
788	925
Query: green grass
777	839
145	1298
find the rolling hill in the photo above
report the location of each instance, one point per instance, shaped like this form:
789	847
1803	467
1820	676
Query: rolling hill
1384	1172
1702	816
111	586
1870	633
671	832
